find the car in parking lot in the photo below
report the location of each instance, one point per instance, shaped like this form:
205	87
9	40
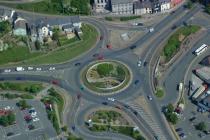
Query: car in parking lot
52	68
10	133
145	64
38	69
192	119
182	135
7	70
55	82
139	63
132	47
35	119
30	68
104	103
179	129
135	112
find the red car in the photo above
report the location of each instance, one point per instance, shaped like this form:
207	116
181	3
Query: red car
28	118
55	82
108	46
100	57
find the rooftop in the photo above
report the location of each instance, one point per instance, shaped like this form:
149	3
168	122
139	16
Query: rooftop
121	1
142	4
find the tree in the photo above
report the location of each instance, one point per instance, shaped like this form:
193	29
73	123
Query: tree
11	118
23	104
55	36
201	126
189	4
37	45
4	27
65	128
4	121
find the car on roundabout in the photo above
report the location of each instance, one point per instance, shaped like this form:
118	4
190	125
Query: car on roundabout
111	99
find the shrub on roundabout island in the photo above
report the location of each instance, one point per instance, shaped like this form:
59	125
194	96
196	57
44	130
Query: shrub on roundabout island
105	69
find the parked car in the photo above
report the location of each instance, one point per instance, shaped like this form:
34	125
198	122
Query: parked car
135	112
31	127
52	68
7	70
10	133
104	103
179	129
30	68
192	119
55	82
139	63
38	69
145	64
132	47
182	135
35	119
151	30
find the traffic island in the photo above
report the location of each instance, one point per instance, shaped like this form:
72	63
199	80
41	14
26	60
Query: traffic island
106	77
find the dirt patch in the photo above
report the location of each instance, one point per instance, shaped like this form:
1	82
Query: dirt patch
122	38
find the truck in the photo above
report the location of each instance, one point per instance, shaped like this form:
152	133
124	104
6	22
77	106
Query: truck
19	69
199	92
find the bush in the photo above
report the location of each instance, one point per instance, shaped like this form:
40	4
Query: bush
109	18
201	126
128	18
159	93
104	69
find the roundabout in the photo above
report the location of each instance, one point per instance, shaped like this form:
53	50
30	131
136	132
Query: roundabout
106	77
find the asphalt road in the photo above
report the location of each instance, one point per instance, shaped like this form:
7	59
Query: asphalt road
124	55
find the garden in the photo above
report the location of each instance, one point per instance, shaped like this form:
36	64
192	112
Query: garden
106	76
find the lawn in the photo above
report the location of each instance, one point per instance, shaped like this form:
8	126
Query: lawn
174	42
31	87
63	54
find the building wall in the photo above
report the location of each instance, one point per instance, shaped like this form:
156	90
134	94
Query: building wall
19	31
165	6
122	8
175	2
142	11
101	5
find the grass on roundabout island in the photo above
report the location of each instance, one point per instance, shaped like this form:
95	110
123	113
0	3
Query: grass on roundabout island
63	54
92	86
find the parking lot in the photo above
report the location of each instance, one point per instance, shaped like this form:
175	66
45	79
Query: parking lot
191	111
42	127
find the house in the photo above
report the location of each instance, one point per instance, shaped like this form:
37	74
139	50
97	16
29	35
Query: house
175	2
100	6
68	28
155	6
75	20
19	27
119	7
165	5
33	33
42	29
142	7
6	14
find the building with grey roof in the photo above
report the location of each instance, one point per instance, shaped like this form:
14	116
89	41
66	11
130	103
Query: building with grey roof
6	14
124	7
142	7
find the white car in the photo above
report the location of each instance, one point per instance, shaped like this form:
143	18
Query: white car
39	69
7	108
111	99
52	68
30	68
7	70
139	63
35	119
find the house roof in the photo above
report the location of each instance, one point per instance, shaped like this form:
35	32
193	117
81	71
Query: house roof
67	26
164	1
20	23
142	4
120	1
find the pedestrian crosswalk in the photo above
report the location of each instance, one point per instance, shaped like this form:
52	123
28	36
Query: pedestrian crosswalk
147	116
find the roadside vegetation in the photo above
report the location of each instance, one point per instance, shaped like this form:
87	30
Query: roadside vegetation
170	115
124	18
56	101
63	7
14	96
174	42
106	120
30	87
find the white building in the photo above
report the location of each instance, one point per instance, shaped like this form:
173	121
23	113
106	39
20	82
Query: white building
165	5
6	14
101	5
122	7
